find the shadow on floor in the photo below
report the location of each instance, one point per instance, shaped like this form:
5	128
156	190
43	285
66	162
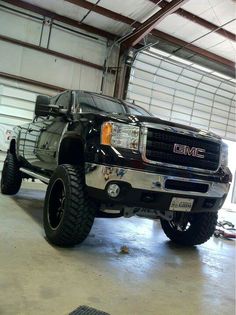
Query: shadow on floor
143	237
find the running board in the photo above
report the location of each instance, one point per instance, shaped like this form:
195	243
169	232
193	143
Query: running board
35	175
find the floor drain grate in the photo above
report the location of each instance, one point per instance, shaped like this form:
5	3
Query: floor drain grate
86	310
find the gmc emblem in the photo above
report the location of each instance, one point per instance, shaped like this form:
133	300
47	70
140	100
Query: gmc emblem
190	151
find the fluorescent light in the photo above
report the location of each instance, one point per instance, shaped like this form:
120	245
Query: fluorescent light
159	52
218	74
201	68
181	60
156	51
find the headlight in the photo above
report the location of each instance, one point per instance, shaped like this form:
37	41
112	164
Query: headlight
120	135
224	154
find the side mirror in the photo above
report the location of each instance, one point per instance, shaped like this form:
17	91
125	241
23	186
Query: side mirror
42	106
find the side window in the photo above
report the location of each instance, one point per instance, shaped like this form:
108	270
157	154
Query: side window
53	99
96	103
105	104
64	100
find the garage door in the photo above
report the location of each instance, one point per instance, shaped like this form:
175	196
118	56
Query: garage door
16	107
181	92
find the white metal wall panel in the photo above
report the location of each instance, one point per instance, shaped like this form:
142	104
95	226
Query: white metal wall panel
16	108
17	98
16	104
177	92
49	69
17	26
83	48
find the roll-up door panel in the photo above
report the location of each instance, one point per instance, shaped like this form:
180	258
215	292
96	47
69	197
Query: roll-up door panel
178	92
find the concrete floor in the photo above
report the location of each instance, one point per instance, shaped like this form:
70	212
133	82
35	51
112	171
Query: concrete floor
156	277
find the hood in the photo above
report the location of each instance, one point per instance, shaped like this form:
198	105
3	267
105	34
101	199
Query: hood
142	120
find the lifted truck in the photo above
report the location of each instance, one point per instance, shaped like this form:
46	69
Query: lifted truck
104	157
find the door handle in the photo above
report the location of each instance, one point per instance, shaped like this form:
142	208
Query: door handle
30	130
43	129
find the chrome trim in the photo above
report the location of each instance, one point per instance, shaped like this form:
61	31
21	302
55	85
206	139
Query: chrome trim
73	106
35	175
98	176
196	134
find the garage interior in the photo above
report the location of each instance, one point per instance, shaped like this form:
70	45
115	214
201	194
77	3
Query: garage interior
175	59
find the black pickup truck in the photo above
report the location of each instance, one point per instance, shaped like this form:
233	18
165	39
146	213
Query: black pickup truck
104	157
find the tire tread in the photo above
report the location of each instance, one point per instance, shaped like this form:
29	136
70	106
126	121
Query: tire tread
79	216
200	232
11	176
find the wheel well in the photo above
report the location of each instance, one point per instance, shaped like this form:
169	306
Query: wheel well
12	147
71	151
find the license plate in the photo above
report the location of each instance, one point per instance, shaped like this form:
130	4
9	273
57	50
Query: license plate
181	204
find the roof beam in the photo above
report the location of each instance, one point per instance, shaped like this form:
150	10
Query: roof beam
137	35
198	20
167	37
61	18
104	12
121	18
196	49
30	81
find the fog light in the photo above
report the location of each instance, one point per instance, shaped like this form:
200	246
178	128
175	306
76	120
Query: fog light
113	190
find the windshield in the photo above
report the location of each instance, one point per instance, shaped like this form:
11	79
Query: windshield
96	103
137	110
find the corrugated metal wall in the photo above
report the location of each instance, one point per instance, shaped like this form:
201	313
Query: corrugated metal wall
16	107
16	97
178	92
46	68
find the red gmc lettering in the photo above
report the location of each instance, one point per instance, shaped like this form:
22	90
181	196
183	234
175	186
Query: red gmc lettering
190	151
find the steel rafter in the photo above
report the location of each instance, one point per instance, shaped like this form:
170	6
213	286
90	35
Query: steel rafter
33	8
198	20
162	35
113	15
146	27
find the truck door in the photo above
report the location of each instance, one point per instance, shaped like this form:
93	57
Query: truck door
46	149
46	134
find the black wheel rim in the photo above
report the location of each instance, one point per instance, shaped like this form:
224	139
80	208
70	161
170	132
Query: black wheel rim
56	205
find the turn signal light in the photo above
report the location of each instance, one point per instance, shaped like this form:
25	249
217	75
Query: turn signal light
106	133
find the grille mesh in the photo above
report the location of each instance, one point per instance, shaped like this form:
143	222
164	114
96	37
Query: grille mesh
160	145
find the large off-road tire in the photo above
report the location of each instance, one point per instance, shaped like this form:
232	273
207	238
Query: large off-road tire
190	229
68	213
11	176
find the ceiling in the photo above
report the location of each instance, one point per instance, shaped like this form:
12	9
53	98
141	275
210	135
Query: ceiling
206	24
219	12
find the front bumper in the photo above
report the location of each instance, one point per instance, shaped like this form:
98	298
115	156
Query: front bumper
151	190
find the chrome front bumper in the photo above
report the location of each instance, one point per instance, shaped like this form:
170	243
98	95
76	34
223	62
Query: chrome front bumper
98	176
